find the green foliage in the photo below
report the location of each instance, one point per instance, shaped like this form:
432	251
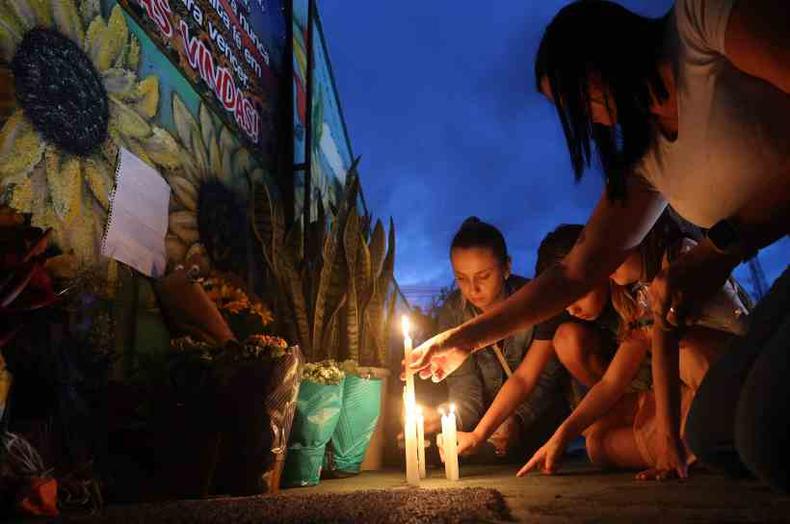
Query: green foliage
332	280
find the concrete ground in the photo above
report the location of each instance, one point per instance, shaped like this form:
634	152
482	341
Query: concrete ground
583	494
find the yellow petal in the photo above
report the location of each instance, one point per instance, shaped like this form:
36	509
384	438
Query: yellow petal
100	179
227	142
24	13
184	224
20	146
188	168
40	190
206	124
227	163
43	12
162	149
133	53
112	40
200	153
64	179
185	191
68	20
22	196
215	160
139	151
184	121
89	9
82	238
10	35
147	92
109	151
242	161
94	36
120	83
127	121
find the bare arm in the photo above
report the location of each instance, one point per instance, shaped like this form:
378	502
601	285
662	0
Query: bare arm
611	232
516	389
757	40
606	392
601	397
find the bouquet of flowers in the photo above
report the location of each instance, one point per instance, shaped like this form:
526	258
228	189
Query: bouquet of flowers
245	315
325	372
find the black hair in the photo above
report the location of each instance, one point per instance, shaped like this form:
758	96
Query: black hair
623	50
476	233
556	245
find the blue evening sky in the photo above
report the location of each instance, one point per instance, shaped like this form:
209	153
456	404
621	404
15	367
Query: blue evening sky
439	100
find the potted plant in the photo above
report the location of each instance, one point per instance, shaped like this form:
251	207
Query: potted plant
317	413
333	285
368	313
231	379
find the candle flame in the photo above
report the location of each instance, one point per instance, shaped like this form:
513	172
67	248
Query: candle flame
405	325
452	409
418	410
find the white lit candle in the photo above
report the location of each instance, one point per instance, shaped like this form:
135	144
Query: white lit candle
450	444
409	404
421	441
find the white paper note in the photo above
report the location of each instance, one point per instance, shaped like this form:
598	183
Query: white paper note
137	224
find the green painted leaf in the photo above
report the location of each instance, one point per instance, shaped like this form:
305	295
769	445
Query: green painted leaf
268	224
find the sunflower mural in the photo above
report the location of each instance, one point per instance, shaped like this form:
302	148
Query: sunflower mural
78	98
209	211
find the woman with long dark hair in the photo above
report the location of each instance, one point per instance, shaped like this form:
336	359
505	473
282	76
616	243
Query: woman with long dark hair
691	109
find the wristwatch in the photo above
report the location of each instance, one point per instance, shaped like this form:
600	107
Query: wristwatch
726	239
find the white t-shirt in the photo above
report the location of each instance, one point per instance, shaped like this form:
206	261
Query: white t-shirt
733	137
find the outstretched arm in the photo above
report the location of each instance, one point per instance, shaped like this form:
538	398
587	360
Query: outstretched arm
600	399
515	390
612	231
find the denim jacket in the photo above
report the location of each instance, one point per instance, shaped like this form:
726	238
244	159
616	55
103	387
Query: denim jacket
474	385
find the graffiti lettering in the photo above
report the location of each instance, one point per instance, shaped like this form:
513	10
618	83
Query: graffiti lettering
220	81
159	11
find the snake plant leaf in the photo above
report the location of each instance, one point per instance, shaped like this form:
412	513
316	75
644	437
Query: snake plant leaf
382	349
377	319
373	315
351	241
377	248
292	282
388	267
364	225
363	272
333	277
331	281
331	333
315	237
293	248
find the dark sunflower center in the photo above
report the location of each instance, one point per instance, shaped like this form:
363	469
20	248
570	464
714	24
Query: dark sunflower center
60	91
222	226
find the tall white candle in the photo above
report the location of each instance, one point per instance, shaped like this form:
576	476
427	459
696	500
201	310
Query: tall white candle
409	404
450	442
421	442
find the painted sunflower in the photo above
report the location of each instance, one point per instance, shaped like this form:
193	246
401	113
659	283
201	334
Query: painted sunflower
208	214
77	99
